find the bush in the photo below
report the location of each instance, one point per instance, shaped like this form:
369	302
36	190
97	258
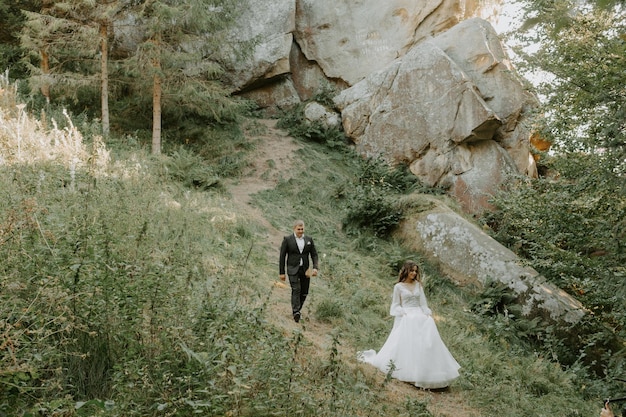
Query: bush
190	170
328	310
570	227
371	202
298	126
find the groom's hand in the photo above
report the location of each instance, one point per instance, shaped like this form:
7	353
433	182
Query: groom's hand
606	411
282	277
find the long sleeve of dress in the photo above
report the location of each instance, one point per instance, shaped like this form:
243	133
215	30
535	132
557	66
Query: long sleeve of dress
396	302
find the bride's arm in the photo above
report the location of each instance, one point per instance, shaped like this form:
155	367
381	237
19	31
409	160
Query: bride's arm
396	303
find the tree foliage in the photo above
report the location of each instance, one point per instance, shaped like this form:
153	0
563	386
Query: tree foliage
578	49
77	17
572	230
177	54
12	18
164	56
569	225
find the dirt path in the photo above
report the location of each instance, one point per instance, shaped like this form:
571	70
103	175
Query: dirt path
272	162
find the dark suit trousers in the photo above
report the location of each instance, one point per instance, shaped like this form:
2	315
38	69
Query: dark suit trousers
299	289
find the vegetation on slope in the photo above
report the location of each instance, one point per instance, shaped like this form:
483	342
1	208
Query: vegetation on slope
129	285
126	291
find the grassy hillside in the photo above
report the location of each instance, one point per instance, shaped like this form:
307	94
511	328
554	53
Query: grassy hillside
141	286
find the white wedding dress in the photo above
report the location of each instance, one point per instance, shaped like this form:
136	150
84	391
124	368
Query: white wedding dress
414	346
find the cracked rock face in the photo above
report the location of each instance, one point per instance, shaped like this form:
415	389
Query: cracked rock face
350	39
419	83
452	111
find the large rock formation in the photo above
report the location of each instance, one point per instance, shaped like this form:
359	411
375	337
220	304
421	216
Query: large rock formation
265	27
339	42
350	39
482	58
451	108
420	84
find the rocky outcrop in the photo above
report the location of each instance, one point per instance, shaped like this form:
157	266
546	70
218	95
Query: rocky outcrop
451	108
265	32
338	41
475	47
419	84
421	104
351	39
467	254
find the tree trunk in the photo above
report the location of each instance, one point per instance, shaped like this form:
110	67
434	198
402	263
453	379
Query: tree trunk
104	77
156	115
156	102
45	69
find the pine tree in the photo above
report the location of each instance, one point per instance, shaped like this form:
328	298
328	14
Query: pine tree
179	55
72	39
12	20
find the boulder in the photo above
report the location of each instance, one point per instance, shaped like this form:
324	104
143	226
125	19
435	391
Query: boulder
469	255
419	84
307	77
265	32
315	112
475	46
480	170
275	96
421	103
424	111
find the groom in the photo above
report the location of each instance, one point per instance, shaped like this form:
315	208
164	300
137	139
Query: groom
295	252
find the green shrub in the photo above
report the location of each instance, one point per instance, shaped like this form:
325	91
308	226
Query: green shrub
191	170
325	95
328	310
294	122
372	201
570	228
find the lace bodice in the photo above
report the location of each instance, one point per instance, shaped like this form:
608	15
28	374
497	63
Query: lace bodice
404	297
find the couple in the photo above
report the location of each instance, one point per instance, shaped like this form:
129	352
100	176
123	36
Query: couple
414	351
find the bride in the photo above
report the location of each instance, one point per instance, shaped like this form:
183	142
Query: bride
414	351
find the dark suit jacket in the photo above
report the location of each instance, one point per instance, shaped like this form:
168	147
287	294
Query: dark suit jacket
290	253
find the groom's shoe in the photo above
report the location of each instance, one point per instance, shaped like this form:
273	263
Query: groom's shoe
296	316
